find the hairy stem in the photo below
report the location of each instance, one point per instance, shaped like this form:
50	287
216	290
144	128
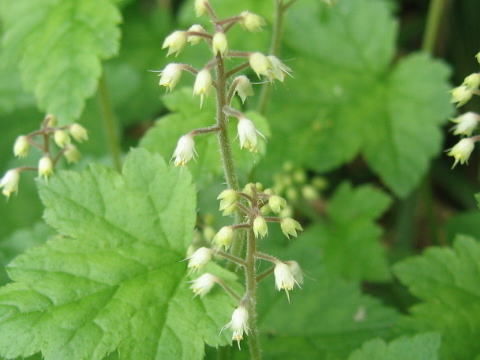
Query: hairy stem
109	122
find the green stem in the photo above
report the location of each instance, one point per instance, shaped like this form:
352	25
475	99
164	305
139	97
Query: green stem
251	280
274	50
434	17
109	122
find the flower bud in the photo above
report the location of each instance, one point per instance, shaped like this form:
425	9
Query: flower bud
260	227
21	147
230	210
472	81
208	233
278	69
290	227
284	279
61	138
466	123
170	76
244	87
72	154
299	176
199	258
265	210
51	120
185	150
277	203
200	7
224	237
202	285
247	134
78	132
203	84
461	94
9	182
462	150
195	39
251	22
219	44
45	167
227	197
287	212
238	324
296	270
260	64
175	42
291	193
309	192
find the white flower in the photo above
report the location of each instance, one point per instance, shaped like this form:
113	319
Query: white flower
462	150
224	237
296	270
472	81
45	167
195	39
290	227
278	69
284	279
200	7
219	44
185	150
78	132
170	76
21	147
9	182
466	123
461	94
238	324
203	84
260	227
243	87
72	154
277	203
260	64
202	285
61	138
227	198
251	22
199	258
247	134
175	42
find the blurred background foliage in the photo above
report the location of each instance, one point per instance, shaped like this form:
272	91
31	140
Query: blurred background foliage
377	120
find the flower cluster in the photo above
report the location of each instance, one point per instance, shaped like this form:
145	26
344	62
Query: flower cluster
466	123
62	138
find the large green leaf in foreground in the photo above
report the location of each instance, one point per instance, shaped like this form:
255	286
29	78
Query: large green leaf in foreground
347	99
114	279
448	282
59	45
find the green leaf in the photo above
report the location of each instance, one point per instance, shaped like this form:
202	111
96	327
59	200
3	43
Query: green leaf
60	45
187	116
18	242
114	278
420	347
350	240
448	283
346	99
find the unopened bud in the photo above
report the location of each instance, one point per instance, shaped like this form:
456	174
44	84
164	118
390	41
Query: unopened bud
45	167
219	44
277	203
472	81
195	39
289	227
309	193
175	42
227	198
78	132
61	138
462	150
170	76
203	84
72	154
200	7
461	94
260	227
224	237
51	120
21	147
251	22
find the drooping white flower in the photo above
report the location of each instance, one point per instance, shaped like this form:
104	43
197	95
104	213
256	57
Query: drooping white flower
296	270
9	182
461	94
185	150
195	39
284	279
462	150
466	123
219	44
72	154
260	64
202	285
21	147
170	76
244	87
224	237
45	167
290	226
203	84
78	132
199	258
238	324
247	134
227	198
200	7
61	138
472	81
278	69
260	227
251	22
277	203
175	42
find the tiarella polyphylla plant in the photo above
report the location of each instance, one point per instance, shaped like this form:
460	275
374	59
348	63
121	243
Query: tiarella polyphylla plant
466	123
252	206
41	140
